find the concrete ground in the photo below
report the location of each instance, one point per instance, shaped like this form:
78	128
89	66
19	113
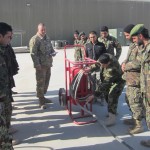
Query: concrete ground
52	129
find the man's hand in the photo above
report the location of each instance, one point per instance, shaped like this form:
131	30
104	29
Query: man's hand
87	69
89	99
38	67
123	67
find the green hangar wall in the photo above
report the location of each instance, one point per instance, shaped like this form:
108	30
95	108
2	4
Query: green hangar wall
62	17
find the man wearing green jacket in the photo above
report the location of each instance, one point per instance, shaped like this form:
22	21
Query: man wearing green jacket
111	84
110	42
42	52
140	35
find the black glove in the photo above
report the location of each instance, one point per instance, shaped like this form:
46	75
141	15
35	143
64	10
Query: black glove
97	94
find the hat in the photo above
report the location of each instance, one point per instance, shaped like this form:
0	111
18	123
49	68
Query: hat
81	33
104	28
128	28
137	29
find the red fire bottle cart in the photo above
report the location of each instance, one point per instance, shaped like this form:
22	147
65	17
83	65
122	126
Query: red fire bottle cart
77	88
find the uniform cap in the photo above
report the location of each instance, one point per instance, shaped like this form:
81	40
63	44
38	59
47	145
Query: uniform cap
104	28
81	33
137	29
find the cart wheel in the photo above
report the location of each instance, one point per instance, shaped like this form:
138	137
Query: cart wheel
62	97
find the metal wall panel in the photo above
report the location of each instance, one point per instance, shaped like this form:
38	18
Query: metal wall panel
62	17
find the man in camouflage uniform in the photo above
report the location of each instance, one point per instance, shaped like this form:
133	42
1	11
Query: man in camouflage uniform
111	84
79	51
110	42
131	68
140	35
5	101
41	52
76	37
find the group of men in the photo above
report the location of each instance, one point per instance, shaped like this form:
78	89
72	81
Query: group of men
105	42
106	50
134	72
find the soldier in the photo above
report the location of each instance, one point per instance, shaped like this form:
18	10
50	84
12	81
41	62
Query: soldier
110	42
5	101
79	51
41	52
131	68
111	84
140	35
13	68
83	38
76	37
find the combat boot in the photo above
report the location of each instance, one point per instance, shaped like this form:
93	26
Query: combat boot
47	100
138	128
111	120
130	121
42	103
12	130
145	143
16	142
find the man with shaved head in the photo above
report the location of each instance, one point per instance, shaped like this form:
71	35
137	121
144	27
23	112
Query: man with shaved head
42	52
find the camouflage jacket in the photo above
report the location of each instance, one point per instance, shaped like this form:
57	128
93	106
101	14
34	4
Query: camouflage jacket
41	50
4	80
133	66
79	51
110	43
145	71
110	75
76	42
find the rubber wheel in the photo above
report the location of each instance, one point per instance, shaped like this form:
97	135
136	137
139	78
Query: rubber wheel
62	97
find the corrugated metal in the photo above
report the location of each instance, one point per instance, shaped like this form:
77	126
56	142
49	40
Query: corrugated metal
62	17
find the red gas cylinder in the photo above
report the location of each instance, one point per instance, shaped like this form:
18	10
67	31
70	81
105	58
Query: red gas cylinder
84	88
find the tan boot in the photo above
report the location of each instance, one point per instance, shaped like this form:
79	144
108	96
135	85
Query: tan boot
145	143
111	120
138	128
12	130
15	142
42	103
130	121
47	100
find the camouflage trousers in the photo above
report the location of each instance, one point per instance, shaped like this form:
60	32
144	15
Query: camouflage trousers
112	96
146	102
8	109
42	80
78	54
5	137
135	102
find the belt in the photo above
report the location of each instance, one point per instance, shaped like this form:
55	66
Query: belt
138	71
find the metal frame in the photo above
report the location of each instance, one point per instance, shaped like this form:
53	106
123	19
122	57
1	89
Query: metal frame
83	87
